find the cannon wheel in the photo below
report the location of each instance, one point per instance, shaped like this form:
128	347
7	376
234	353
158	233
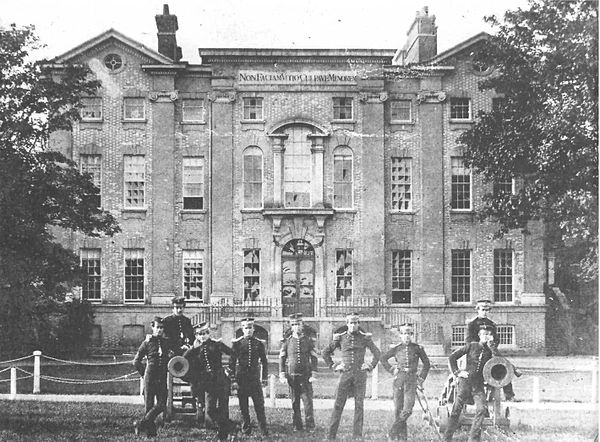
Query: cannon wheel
443	417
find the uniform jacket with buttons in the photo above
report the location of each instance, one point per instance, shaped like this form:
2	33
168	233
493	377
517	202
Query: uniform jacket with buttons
179	330
156	351
206	360
477	355
407	359
473	329
296	355
247	357
352	347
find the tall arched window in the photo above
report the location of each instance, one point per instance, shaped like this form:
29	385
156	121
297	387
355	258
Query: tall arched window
297	167
342	178
253	178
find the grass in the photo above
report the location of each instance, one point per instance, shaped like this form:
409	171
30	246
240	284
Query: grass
48	421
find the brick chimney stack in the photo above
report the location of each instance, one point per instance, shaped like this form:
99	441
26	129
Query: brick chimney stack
167	40
421	44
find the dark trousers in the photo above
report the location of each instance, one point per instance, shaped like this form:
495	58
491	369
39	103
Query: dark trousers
301	389
466	388
405	390
217	407
251	388
355	382
155	387
508	391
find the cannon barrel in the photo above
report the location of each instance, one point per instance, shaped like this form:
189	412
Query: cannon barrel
178	366
498	372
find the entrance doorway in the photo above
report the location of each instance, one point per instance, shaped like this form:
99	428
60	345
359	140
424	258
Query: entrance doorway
298	278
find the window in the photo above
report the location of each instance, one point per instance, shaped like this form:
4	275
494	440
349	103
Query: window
344	273
113	62
342	178
461	275
401	276
135	181
90	264
193	183
503	273
297	168
460	109
401	110
401	184
192	110
458	335
461	185
134	109
253	178
91	109
506	334
193	274
134	275
503	187
92	164
253	108
251	274
342	108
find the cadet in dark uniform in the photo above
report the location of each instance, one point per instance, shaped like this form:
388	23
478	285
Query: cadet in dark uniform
206	359
157	352
178	328
247	357
483	308
470	382
353	369
295	366
407	355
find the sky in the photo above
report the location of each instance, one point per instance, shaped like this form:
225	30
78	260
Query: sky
382	24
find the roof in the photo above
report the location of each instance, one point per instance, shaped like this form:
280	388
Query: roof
211	55
111	33
449	53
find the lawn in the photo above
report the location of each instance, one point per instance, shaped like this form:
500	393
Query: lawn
47	421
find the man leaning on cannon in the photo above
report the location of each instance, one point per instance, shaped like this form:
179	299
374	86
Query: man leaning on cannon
353	372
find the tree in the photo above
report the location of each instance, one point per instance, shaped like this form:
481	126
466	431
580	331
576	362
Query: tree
41	191
544	131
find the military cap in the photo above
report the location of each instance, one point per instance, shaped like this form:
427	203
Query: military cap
247	321
351	316
157	320
486	327
485	303
406	325
201	327
295	318
178	300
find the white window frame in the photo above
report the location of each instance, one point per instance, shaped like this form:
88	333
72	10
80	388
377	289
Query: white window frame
507	330
88	254
398	162
251	278
458	331
343	153
193	104
337	106
252	151
453	161
248	108
410	111
187	186
134	166
512	276
132	254
93	104
470	276
84	167
470	109
400	277
193	257
127	108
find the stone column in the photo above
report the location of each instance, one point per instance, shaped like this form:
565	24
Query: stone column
317	151
278	141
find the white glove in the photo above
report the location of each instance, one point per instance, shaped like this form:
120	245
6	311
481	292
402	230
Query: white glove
366	366
462	374
282	378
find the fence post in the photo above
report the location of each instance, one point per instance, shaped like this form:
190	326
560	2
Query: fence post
272	390
36	371
536	389
13	383
594	385
141	386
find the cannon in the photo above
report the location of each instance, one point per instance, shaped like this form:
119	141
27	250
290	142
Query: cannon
497	372
181	403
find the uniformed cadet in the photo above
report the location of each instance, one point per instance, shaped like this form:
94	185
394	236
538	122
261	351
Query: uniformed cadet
248	360
157	352
296	367
353	372
406	379
470	382
178	328
206	359
483	308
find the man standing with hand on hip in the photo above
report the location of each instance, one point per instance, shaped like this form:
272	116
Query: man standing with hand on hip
353	372
406	379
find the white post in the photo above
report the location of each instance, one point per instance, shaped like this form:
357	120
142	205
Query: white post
141	386
36	371
272	390
13	383
594	385
375	383
536	389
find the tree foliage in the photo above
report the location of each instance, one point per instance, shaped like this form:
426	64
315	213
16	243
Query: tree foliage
41	191
544	131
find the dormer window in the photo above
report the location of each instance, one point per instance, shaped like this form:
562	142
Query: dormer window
113	62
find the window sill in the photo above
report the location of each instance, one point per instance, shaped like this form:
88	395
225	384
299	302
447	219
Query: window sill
402	212
192	211
460	124
346	210
402	122
348	121
253	210
133	213
134	210
253	121
461	211
192	123
136	302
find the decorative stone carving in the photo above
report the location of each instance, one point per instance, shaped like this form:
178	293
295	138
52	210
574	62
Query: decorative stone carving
163	96
383	96
222	96
431	97
373	97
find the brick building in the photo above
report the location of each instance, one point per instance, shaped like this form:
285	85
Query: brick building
270	181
